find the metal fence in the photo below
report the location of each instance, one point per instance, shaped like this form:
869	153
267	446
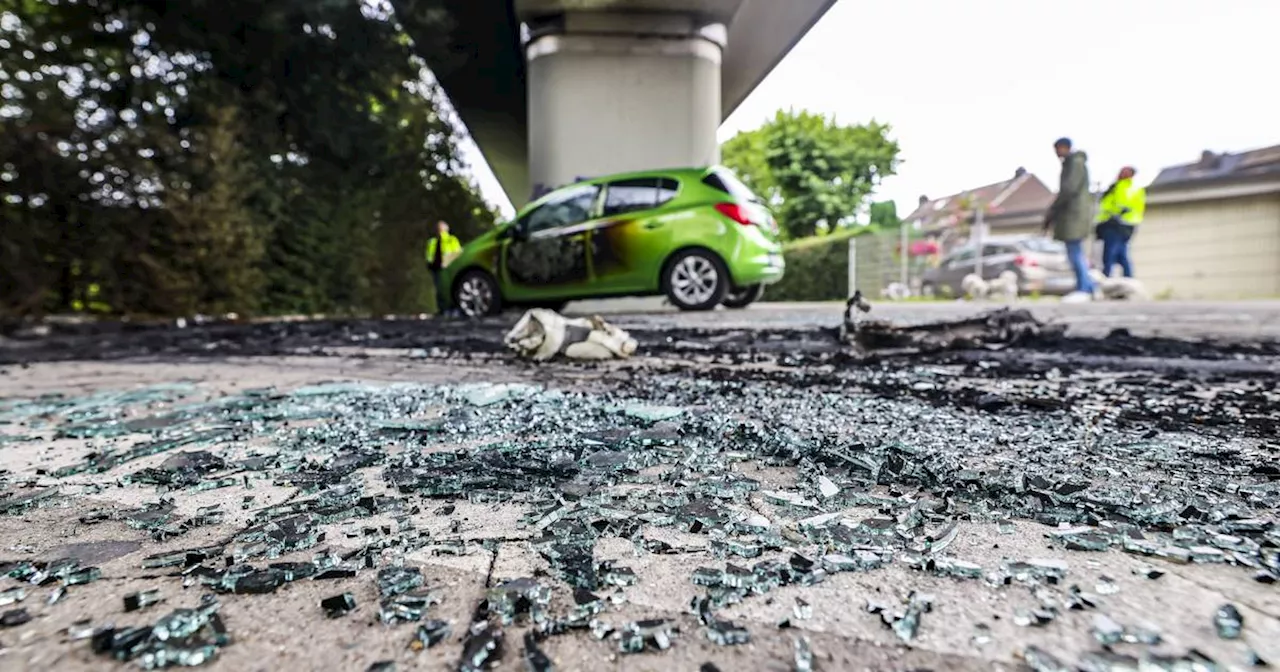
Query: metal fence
880	266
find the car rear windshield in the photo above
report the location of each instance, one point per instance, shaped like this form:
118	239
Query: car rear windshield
726	181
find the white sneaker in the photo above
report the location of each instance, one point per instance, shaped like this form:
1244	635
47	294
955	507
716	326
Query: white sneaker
1077	297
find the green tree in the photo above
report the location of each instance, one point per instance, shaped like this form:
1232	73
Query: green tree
884	215
232	156
815	172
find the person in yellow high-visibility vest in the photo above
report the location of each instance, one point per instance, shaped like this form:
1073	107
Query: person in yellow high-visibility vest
1119	213
441	250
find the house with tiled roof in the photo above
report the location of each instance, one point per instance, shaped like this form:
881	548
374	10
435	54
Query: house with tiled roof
1212	227
1013	206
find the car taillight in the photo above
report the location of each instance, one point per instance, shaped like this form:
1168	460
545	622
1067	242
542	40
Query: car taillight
735	212
1024	261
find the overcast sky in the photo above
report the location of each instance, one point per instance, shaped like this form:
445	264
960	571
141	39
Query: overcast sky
976	88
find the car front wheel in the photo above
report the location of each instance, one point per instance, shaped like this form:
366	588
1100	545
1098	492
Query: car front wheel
742	297
696	280
476	294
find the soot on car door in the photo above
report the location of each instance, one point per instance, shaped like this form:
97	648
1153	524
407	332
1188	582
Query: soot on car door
550	247
630	239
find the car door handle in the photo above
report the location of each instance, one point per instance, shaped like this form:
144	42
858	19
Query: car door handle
653	225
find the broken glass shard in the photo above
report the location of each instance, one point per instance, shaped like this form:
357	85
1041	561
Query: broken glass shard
535	659
481	647
1228	622
185	637
395	580
1040	660
519	598
142	599
640	636
803	655
430	633
12	595
81	576
1148	571
981	635
908	624
802	610
652	414
14	617
407	607
81	629
1035	618
338	605
1106	630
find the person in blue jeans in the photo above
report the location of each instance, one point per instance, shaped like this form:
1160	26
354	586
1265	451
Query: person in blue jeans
1071	214
1119	213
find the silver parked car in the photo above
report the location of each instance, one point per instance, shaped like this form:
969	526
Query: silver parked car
1041	265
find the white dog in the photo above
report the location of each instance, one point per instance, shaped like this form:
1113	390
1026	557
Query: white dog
1005	286
974	287
1119	289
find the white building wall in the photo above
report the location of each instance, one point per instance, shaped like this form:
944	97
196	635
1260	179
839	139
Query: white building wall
1211	249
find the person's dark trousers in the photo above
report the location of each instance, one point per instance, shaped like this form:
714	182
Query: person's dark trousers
1080	265
1115	249
440	296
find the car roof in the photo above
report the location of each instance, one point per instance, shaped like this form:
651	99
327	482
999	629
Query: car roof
664	172
694	173
1007	239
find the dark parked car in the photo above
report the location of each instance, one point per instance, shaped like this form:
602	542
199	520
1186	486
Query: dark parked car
1041	265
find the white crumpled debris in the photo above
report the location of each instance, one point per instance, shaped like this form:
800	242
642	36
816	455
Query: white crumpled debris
542	334
1119	289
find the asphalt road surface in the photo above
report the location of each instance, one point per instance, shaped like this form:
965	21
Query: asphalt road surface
1246	320
744	490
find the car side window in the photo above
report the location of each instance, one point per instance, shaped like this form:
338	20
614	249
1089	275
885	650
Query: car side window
571	206
630	196
668	189
638	194
959	257
995	250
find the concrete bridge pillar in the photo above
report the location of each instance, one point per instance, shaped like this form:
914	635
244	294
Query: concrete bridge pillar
612	92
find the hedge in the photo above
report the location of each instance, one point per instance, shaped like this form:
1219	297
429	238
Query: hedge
817	268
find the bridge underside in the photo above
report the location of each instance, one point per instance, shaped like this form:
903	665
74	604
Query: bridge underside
608	85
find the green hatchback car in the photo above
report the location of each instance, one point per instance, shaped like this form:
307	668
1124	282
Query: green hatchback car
699	236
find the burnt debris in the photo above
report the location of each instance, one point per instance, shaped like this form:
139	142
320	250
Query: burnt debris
768	497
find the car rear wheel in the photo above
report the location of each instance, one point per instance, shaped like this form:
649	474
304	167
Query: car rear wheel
476	294
742	297
928	290
695	280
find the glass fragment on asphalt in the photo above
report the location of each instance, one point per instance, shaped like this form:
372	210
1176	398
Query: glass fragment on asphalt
337	606
1228	622
142	599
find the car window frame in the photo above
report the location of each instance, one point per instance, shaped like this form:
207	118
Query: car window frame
731	184
523	223
658	182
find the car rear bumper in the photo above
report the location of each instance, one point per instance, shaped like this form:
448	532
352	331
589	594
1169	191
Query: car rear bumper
1054	284
763	268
